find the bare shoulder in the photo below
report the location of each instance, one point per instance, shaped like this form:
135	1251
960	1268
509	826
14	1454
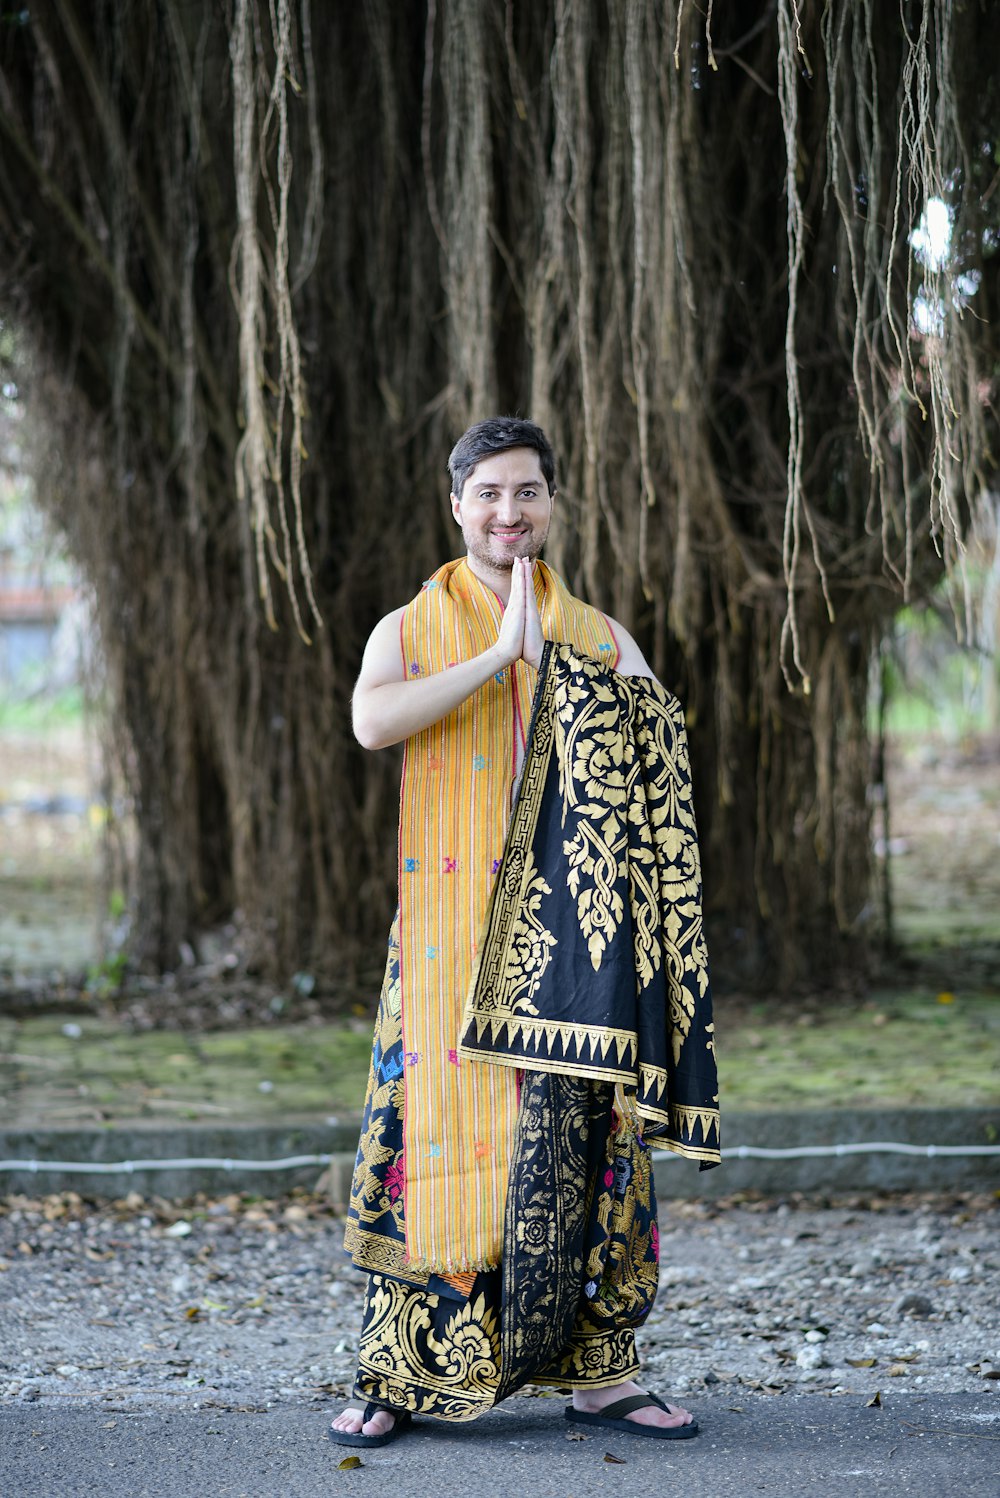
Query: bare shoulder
382	661
631	661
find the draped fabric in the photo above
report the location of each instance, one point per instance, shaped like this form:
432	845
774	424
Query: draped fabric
580	1249
455	797
502	1200
593	961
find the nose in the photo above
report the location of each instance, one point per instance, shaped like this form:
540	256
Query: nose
508	510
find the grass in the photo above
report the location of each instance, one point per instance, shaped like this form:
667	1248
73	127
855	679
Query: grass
62	709
899	1049
282	1073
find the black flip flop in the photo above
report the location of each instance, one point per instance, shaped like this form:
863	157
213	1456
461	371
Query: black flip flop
612	1417
402	1419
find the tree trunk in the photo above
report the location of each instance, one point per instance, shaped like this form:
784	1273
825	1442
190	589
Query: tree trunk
269	268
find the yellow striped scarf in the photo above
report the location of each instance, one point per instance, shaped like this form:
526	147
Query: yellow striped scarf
455	802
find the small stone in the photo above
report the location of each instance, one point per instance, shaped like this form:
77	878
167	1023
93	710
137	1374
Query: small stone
877	1329
67	1370
810	1358
815	1336
179	1229
914	1305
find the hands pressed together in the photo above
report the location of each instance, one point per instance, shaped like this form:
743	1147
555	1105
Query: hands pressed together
388	708
520	637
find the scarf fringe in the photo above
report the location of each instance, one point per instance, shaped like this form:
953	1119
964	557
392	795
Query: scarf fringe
445	1265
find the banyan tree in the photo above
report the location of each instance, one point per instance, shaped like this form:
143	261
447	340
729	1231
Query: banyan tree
266	259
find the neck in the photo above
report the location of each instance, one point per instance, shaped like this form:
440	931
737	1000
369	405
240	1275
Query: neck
497	579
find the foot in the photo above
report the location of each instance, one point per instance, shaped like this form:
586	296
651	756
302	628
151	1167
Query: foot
592	1401
352	1421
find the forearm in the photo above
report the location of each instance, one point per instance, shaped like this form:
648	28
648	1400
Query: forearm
385	715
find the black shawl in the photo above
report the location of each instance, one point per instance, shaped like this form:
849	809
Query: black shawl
592	959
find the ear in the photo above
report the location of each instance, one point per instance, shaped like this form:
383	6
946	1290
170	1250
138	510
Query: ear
456	508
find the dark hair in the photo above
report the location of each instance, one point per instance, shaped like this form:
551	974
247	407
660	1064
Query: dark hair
497	435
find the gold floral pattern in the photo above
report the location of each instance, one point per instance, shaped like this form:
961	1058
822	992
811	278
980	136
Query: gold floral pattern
603	847
579	1271
531	944
375	1233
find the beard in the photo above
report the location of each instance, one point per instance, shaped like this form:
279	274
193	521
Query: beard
499	556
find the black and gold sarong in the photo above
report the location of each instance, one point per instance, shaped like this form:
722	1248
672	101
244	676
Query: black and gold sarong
592	981
580	1256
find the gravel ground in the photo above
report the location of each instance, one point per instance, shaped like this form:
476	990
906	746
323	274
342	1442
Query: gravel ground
246	1305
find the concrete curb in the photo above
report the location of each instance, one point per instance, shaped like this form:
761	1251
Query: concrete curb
231	1142
823	1130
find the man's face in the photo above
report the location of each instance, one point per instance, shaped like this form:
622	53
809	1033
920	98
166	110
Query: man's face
504	508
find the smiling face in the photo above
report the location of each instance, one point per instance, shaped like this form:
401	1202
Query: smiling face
504	509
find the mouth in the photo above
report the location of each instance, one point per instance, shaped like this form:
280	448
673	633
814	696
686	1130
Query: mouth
509	535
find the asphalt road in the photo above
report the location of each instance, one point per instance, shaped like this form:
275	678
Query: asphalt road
930	1446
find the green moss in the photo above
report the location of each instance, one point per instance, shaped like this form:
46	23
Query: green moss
305	1071
901	1048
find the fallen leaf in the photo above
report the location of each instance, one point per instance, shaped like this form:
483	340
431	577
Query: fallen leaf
946	998
348	1463
110	1424
576	1435
875	1402
619	1461
862	1362
897	1370
192	1313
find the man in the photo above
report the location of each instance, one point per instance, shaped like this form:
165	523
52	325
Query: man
506	1214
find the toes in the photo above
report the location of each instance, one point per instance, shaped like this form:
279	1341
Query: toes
351	1423
379	1424
678	1416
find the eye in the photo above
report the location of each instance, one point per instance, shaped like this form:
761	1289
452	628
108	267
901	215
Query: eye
529	493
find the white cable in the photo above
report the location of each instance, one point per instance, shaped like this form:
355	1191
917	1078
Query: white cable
818	1151
129	1167
294	1162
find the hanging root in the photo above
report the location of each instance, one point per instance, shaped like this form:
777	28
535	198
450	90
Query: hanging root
272	434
